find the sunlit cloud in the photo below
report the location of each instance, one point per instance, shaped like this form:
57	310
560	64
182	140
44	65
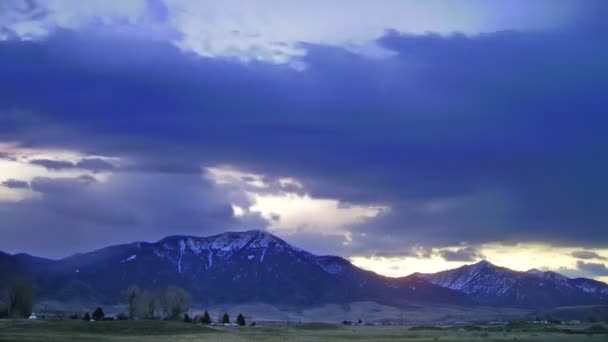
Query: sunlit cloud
519	257
22	164
289	212
228	175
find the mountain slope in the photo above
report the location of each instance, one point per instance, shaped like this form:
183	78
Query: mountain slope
492	285
232	267
255	266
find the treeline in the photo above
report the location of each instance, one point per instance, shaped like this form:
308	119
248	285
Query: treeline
172	302
223	319
169	303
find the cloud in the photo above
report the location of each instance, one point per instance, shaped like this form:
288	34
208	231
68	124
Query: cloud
595	269
89	164
53	164
271	31
15	184
466	138
81	214
461	254
94	164
585	255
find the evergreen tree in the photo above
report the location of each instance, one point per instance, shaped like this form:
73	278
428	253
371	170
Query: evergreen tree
225	318
187	318
206	318
240	320
86	317
98	314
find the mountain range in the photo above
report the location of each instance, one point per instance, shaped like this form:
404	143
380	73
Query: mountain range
256	266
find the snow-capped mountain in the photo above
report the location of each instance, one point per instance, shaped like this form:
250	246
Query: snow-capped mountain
250	266
256	266
492	285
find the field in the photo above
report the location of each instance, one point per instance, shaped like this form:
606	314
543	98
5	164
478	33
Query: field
21	330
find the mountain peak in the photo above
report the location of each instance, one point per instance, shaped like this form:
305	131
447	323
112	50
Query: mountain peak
484	264
226	236
226	242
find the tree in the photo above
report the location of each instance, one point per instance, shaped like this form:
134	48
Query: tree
206	318
147	305
187	318
130	296
225	318
3	310
240	320
175	301
20	294
86	317
122	317
98	314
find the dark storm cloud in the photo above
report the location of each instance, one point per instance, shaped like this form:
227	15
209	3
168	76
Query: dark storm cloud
76	214
461	254
91	164
493	137
586	255
94	164
595	269
15	184
53	164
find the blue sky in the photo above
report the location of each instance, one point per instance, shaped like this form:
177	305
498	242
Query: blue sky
401	134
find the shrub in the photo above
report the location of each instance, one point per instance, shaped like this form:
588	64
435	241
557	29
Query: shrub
597	329
122	316
206	318
425	327
86	317
98	314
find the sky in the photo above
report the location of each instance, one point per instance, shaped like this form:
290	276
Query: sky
406	136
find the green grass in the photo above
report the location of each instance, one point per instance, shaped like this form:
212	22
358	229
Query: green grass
316	326
163	331
120	328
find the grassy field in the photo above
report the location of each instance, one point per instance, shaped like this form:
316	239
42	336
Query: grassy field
12	330
414	313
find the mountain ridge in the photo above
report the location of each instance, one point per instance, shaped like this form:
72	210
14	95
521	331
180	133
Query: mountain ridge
489	284
258	266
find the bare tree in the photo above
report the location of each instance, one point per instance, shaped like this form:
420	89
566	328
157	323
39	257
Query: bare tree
130	296
175	301
20	301
146	305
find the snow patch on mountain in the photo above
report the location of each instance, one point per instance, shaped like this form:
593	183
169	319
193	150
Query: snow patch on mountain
131	258
331	268
182	249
